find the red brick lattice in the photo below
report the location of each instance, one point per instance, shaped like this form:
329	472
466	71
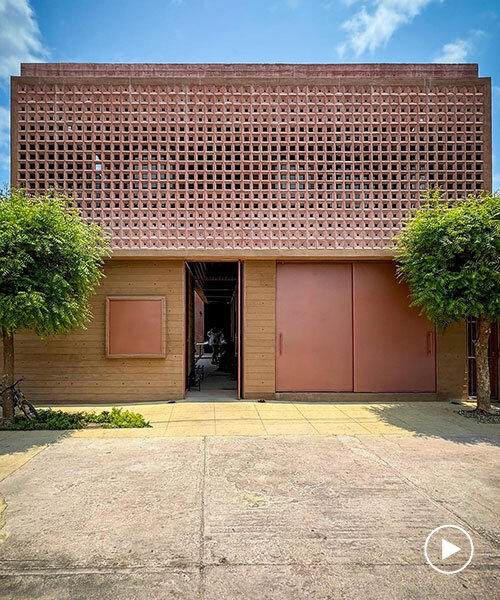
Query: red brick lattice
250	166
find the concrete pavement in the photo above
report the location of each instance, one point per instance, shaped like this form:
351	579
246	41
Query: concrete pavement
280	517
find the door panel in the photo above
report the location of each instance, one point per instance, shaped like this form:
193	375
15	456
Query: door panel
394	347
314	327
239	329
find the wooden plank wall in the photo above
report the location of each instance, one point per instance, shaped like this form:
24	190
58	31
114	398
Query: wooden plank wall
74	368
259	329
451	362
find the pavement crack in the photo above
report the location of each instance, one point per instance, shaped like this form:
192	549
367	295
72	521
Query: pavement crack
479	531
3	532
10	569
202	520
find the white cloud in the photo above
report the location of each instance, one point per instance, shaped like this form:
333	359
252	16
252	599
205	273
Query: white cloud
20	39
454	52
373	26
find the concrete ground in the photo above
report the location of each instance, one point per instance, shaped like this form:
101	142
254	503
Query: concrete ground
216	385
264	516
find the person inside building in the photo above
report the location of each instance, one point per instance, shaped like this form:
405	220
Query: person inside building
227	359
214	338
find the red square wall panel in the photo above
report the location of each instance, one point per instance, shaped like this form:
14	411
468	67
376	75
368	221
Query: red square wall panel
135	326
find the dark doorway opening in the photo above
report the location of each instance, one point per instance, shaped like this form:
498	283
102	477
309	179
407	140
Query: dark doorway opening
213	330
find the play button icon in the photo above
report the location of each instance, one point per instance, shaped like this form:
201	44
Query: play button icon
448	549
439	549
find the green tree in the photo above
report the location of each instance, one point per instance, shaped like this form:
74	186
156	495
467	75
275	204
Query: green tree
449	254
50	264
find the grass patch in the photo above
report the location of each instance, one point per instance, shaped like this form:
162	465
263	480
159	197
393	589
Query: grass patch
59	419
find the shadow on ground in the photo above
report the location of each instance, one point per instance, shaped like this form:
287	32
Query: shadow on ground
443	422
24	441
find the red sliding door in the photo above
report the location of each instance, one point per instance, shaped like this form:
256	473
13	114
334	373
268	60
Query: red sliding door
394	347
314	327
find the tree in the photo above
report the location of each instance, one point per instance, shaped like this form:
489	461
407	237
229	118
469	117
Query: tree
449	254
50	264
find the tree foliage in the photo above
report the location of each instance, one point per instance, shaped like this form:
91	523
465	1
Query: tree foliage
50	263
449	254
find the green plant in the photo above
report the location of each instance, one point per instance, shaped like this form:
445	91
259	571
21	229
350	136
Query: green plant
58	419
102	417
449	253
49	419
50	264
117	418
125	418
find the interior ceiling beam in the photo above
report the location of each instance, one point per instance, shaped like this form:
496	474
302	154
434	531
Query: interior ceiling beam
199	269
221	278
214	281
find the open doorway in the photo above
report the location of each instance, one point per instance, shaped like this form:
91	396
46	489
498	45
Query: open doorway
213	330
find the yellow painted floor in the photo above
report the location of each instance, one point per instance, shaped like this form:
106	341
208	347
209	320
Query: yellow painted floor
247	418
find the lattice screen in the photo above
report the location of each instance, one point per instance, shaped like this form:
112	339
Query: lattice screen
250	167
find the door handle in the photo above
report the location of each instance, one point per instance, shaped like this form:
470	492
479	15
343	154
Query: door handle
429	342
281	343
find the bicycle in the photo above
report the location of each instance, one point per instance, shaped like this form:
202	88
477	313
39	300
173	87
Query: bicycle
20	401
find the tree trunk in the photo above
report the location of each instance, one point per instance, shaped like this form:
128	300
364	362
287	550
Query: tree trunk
483	366
8	376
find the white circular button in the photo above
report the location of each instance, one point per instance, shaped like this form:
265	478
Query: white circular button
448	545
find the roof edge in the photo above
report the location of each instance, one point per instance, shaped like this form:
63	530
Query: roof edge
277	70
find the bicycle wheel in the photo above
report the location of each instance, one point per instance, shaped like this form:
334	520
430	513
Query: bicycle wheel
28	409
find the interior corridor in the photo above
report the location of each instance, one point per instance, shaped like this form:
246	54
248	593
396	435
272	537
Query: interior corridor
216	384
212	329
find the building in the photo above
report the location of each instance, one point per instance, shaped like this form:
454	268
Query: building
265	196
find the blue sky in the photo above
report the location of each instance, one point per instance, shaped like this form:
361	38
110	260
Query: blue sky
303	31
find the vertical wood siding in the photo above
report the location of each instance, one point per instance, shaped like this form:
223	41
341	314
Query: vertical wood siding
451	362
